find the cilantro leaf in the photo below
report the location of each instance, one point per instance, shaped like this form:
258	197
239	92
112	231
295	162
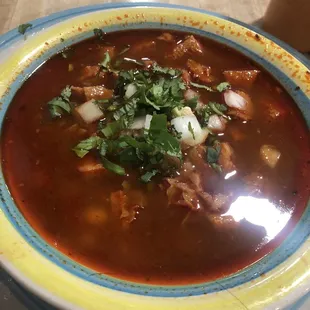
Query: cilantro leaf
148	175
223	86
112	167
98	33
105	64
23	28
159	136
84	146
127	110
170	71
60	105
114	128
213	154
210	109
218	108
66	93
202	87
191	130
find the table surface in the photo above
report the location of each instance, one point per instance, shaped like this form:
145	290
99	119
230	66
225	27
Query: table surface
16	12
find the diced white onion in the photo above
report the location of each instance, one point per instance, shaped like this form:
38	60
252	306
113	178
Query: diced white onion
217	123
181	124
138	123
190	94
141	122
89	112
148	119
270	155
130	91
234	100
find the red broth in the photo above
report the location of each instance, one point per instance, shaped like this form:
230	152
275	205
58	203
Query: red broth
165	243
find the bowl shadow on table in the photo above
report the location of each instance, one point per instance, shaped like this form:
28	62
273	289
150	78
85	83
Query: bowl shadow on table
16	291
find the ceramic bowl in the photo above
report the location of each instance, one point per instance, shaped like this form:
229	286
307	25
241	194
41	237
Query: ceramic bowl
274	281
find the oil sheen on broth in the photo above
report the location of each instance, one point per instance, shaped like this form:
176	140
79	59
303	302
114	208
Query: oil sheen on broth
211	180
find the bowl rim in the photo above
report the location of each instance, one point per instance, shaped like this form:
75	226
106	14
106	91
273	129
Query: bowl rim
6	38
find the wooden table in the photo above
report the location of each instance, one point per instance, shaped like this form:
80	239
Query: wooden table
16	12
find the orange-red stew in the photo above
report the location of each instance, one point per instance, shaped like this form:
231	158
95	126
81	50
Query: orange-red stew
159	157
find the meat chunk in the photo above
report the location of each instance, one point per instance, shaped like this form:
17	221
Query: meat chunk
190	44
187	190
166	36
91	92
143	46
200	72
186	77
180	193
125	205
77	93
226	157
197	155
89	72
89	164
97	92
241	78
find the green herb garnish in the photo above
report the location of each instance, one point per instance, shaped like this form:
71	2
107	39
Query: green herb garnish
60	105
202	87
223	86
145	178
210	109
23	28
99	33
105	64
191	130
86	145
213	154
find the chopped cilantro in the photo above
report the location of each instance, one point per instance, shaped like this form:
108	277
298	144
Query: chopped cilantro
105	64
86	145
210	109
191	130
173	72
98	33
23	28
159	136
60	105
145	178
202	87
112	167
213	153
223	86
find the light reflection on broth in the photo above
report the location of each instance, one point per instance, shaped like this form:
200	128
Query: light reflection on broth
260	212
